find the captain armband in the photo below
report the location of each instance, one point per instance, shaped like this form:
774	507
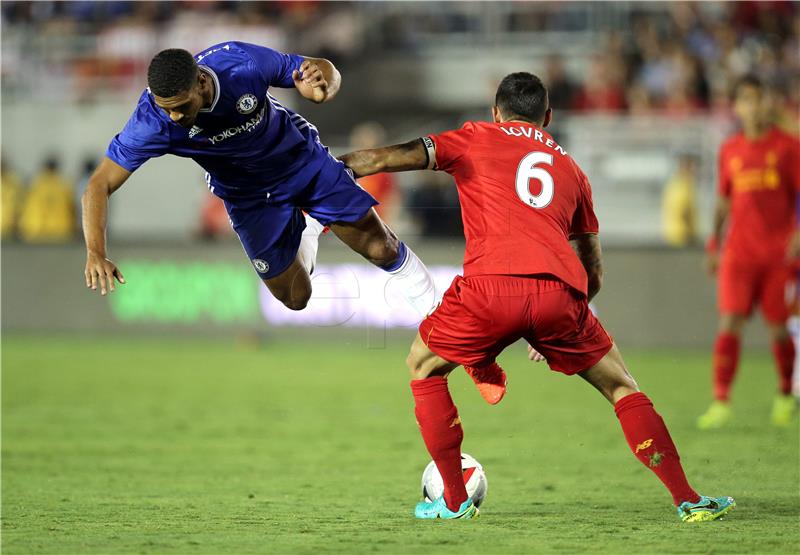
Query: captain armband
430	152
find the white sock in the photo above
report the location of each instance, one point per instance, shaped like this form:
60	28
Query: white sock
794	330
413	281
309	243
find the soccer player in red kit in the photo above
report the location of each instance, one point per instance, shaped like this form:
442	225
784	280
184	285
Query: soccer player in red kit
531	265
759	176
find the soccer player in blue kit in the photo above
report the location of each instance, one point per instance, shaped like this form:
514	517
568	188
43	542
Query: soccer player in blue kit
263	160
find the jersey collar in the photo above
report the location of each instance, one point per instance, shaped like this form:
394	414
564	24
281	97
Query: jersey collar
208	71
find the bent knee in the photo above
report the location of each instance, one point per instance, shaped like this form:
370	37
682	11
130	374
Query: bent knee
779	332
295	300
296	304
415	367
731	323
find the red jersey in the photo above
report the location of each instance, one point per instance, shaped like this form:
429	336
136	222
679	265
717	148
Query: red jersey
761	178
522	197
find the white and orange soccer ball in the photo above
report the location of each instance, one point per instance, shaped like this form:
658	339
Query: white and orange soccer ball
474	480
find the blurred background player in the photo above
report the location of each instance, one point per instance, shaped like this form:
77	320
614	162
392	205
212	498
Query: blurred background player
11	189
754	240
527	210
263	160
48	211
679	204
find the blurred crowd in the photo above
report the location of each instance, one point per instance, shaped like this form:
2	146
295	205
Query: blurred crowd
669	58
675	57
687	62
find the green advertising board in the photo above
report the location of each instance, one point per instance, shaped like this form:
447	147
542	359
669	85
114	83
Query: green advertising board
186	293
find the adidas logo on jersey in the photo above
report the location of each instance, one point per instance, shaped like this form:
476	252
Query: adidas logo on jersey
194	131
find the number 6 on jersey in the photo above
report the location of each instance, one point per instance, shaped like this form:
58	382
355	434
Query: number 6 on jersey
526	171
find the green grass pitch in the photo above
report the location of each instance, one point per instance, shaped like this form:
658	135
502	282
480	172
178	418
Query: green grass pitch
199	446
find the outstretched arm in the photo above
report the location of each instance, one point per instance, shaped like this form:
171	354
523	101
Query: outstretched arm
413	155
587	247
318	79
100	271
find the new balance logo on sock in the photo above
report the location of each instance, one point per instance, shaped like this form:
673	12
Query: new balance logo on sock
644	445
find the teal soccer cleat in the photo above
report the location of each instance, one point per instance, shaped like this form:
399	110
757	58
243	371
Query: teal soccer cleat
438	509
708	508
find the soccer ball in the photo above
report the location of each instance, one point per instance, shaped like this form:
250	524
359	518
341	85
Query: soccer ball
474	480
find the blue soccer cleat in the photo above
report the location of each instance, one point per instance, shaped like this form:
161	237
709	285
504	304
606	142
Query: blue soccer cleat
708	508
438	509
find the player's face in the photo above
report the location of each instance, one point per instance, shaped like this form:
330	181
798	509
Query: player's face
749	105
184	106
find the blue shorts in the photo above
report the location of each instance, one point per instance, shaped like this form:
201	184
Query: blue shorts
270	227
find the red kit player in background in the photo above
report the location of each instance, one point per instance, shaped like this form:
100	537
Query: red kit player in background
759	176
531	265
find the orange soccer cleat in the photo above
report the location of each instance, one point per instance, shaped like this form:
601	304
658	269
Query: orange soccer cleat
490	381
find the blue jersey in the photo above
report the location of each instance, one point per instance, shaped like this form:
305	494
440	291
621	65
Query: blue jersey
247	142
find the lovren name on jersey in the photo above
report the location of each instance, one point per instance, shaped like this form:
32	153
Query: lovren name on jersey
535	134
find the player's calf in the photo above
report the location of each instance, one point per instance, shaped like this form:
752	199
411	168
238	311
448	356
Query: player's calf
372	239
610	377
647	434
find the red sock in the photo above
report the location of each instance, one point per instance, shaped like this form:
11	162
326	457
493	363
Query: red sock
650	442
440	425
726	359
784	360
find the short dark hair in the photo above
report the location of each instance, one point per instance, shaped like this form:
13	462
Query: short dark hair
171	72
522	95
748	80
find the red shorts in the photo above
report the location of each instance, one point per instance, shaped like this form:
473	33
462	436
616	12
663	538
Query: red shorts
482	315
744	284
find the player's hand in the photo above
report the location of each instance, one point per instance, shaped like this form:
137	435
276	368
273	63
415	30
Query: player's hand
101	272
534	355
712	263
310	81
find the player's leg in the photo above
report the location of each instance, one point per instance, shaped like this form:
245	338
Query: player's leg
776	313
370	237
726	353
649	439
440	426
336	200
272	233
573	341
737	287
309	244
292	287
725	363
644	429
476	320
